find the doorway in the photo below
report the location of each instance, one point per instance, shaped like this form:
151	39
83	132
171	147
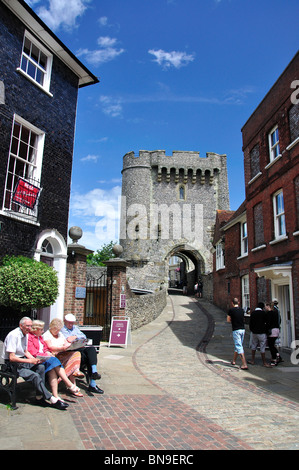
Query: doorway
52	250
285	314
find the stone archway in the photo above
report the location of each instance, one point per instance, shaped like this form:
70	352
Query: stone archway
193	265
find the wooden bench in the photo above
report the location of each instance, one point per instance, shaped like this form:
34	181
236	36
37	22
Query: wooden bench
8	381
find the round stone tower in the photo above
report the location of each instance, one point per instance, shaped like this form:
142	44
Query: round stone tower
168	208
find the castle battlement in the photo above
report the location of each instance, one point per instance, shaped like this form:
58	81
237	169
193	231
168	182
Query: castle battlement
181	165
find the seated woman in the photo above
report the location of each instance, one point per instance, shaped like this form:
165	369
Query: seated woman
58	345
53	367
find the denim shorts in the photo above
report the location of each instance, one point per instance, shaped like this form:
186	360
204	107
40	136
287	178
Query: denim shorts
238	337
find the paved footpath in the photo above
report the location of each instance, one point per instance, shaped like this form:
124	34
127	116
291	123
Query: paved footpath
173	389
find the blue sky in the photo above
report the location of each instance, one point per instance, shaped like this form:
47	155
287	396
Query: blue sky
174	75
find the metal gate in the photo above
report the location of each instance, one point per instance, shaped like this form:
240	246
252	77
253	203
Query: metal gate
96	310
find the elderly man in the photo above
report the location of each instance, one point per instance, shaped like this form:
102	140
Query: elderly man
29	368
88	354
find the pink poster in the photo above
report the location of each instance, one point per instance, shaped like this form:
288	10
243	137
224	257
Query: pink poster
119	332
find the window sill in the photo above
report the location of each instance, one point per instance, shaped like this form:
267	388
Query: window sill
278	240
34	82
292	144
255	178
20	218
296	234
273	161
220	269
257	248
243	256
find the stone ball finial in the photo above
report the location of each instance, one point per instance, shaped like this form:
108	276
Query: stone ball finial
75	233
117	250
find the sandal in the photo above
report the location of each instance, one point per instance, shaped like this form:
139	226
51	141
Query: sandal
74	390
78	374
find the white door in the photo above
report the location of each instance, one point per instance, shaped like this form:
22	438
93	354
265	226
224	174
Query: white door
285	313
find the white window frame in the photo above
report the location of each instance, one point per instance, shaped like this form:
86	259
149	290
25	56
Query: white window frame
245	292
12	174
220	256
279	216
35	66
274	148
244	239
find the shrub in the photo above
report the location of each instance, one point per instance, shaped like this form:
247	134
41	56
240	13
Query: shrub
27	284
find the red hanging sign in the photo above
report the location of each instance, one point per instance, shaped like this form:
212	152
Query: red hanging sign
26	194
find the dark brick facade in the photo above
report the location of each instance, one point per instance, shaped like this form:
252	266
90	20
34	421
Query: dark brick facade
272	262
55	116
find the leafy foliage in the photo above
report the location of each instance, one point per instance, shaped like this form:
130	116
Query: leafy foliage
103	254
26	284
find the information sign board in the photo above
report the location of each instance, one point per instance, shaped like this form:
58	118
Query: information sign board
120	332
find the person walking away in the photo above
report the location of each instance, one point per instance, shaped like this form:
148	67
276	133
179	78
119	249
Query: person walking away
258	328
235	316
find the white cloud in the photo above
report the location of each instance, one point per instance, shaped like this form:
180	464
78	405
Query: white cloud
106	53
90	158
97	212
61	13
111	106
103	21
175	59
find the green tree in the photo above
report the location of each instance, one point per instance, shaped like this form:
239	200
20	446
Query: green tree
103	254
26	284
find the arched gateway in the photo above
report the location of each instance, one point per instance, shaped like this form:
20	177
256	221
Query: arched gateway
168	209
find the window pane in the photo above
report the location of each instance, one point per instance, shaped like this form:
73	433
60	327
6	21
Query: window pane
16	129
43	60
14	146
27	45
24	64
25	134
35	53
281	225
279	203
32	156
31	70
274	137
23	150
19	168
39	77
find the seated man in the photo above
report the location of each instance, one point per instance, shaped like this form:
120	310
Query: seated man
28	367
88	354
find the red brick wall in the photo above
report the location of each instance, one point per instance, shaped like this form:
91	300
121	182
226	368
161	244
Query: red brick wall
75	277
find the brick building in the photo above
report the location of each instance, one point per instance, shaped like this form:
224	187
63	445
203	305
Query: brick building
39	82
256	251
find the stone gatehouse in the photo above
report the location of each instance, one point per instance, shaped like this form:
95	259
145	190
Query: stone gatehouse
168	209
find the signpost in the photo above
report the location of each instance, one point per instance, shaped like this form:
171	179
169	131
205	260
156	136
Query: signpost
120	332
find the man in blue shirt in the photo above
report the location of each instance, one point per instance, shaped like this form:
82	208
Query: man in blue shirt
88	354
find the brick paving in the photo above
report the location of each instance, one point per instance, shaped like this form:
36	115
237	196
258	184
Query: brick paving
147	422
173	389
200	403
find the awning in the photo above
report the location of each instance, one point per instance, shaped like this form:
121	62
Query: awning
275	271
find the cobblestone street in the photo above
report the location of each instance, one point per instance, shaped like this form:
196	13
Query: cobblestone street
172	389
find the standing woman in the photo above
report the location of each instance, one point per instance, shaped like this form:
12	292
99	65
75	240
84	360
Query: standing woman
273	332
58	345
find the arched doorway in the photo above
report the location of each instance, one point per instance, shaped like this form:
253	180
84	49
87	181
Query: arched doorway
52	249
191	267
